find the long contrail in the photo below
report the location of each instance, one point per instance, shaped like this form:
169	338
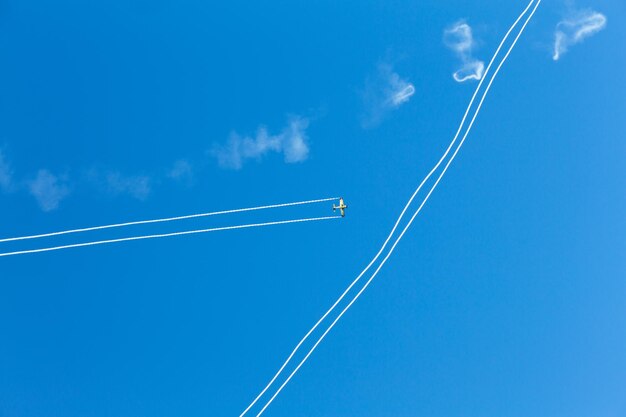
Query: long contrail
166	219
414	215
393	230
164	235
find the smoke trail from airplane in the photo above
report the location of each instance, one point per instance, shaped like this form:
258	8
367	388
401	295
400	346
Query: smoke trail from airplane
403	231
167	219
401	215
164	235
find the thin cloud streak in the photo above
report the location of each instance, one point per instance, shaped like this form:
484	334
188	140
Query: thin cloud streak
460	39
399	90
403	95
576	28
292	142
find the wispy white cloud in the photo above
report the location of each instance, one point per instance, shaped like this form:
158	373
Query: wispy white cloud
384	92
578	26
137	186
460	39
48	189
401	91
181	171
292	142
115	183
6	174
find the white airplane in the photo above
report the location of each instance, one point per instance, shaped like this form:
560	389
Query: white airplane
341	207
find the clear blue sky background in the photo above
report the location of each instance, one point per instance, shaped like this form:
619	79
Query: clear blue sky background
507	297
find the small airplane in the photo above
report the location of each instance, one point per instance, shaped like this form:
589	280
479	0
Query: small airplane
341	207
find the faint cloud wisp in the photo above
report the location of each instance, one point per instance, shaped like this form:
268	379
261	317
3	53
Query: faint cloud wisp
384	92
137	186
48	189
181	171
292	142
574	29
459	38
6	174
115	183
401	90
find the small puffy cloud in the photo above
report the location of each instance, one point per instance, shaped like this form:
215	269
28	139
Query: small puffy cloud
383	93
6	174
292	142
48	189
575	28
459	38
137	186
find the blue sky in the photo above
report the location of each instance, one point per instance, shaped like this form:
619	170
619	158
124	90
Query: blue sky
506	298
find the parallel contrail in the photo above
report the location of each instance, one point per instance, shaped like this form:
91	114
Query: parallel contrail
163	220
402	214
395	226
158	236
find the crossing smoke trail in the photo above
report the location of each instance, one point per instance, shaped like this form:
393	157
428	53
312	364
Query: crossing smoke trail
163	235
402	214
167	219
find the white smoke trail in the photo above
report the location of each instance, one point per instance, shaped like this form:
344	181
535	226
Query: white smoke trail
164	235
577	27
412	219
459	38
164	220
